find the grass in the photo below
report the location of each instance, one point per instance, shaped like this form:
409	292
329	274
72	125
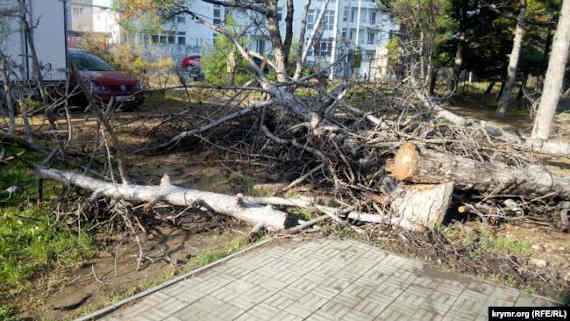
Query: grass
302	212
210	256
488	243
30	243
7	314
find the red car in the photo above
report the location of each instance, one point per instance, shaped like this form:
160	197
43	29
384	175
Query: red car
191	61
104	81
191	68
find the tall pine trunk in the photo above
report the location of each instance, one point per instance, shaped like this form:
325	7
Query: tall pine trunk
514	58
554	76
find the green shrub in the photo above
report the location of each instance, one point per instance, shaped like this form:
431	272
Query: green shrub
214	63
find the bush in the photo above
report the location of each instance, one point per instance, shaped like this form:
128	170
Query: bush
214	64
131	59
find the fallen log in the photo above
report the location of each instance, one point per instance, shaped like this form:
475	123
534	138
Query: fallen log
235	206
413	208
429	167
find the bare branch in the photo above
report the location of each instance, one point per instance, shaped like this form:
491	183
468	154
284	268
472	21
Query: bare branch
316	28
301	44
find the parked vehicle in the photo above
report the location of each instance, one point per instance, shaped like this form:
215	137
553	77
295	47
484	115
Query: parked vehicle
103	81
190	69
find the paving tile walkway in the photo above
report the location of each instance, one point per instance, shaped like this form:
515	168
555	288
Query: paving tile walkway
324	280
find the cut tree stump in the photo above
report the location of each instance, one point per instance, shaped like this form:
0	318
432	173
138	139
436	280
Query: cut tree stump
431	167
422	206
236	206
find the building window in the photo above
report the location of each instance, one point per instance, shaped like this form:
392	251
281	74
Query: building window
260	45
279	14
346	14
163	39
155	38
182	40
171	39
310	19
363	15
353	14
217	15
77	11
328	22
180	19
371	37
322	48
352	34
372	17
343	33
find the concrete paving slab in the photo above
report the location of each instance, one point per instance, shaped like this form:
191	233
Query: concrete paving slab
324	280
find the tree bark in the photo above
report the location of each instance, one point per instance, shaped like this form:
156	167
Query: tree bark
288	31
554	76
430	167
423	206
235	206
505	98
414	208
458	63
522	88
31	43
4	76
433	81
490	87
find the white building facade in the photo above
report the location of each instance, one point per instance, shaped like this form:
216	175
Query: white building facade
346	25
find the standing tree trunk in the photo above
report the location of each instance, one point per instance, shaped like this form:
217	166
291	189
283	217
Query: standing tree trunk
433	81
275	36
503	82
522	88
458	63
505	97
7	93
28	30
554	76
490	88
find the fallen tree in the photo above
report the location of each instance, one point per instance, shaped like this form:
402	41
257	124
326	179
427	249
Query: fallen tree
429	167
234	206
415	208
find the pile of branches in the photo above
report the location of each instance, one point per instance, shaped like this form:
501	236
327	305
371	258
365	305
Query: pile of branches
347	153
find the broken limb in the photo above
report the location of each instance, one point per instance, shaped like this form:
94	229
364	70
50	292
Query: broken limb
250	212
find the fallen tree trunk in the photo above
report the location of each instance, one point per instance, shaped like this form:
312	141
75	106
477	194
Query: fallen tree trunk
414	208
235	206
431	167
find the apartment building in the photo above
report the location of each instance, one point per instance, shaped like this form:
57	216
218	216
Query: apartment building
93	16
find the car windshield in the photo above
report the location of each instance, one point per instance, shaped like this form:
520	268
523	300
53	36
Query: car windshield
85	61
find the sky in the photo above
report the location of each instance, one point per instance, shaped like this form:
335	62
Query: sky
106	3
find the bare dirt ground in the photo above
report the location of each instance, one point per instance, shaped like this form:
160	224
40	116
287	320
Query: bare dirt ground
112	275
